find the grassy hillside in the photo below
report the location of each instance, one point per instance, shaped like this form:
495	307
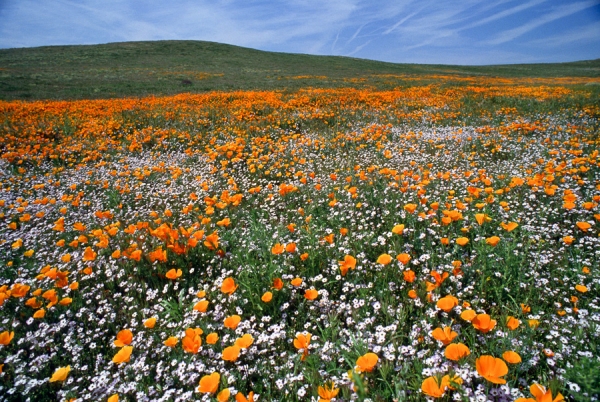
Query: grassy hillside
170	67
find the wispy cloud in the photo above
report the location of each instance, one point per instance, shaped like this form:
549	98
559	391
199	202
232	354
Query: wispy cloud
590	32
477	31
560	12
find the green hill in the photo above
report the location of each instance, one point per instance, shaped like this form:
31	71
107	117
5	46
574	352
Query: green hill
170	67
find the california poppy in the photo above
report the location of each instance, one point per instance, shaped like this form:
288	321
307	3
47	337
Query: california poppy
511	357
541	395
583	226
409	276
232	321
433	387
212	338
239	397
267	297
6	337
124	337
301	343
123	355
468	315
384	259
311	294
89	254
462	241
245	341
231	353
349	262
509	226
224	395
229	286
512	323
492	369
327	392
492	241
447	303
277	249
398	229
484	323
456	351
209	383
444	335
201	306
403	258
60	374
171	342
173	274
366	362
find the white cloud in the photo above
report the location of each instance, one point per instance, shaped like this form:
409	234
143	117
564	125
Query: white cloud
559	13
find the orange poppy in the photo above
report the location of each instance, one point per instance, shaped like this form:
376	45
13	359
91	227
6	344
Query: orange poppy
277	249
124	337
224	395
212	338
267	297
150	322
277	284
410	208
447	303
433	387
301	343
484	323
468	315
239	397
201	306
583	226
492	369
209	383
231	353
366	362
462	241
228	286
349	262
60	374
245	341
232	321
512	323
327	392
444	335
509	226
384	259
89	254
191	342
6	337
212	241
171	341
123	355
541	394
403	258
511	357
456	351
409	276
398	229
493	241
173	273
311	294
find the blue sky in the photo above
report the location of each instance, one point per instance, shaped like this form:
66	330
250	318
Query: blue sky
403	31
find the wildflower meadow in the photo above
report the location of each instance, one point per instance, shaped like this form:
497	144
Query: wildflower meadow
435	240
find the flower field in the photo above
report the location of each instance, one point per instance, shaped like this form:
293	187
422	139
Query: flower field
434	241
